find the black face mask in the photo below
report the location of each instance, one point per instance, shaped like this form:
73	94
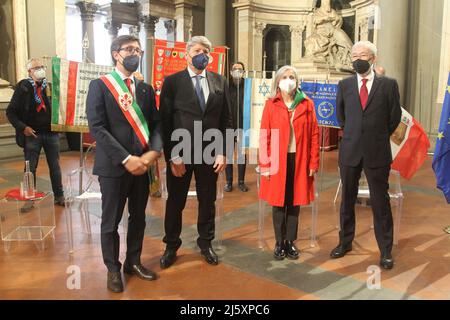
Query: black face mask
131	63
361	66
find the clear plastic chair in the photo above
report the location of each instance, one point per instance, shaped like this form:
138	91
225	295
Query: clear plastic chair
262	210
192	194
395	194
79	200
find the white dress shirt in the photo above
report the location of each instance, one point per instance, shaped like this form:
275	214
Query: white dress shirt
203	82
369	83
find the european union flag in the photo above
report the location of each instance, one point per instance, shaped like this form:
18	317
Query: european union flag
441	160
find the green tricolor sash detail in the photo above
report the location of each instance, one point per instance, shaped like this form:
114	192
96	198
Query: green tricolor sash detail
299	97
128	105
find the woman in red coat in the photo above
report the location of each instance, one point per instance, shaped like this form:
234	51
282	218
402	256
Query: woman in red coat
288	156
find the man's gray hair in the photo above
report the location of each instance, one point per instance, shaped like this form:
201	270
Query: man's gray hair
278	75
199	40
30	63
366	44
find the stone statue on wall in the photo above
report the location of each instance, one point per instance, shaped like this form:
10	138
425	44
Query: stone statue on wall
328	42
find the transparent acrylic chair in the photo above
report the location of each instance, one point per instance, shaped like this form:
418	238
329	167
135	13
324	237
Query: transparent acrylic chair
79	200
395	194
192	194
314	206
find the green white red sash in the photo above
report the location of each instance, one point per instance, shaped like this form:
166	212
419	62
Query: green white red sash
128	105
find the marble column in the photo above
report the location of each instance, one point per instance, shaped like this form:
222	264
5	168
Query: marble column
215	24
88	10
183	16
392	40
296	42
258	45
149	24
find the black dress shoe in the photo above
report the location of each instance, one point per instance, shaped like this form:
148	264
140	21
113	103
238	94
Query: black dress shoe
279	253
340	251
291	250
242	187
168	258
140	271
210	256
228	187
386	262
114	283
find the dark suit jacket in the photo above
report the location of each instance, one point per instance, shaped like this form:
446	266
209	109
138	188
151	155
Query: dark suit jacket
19	108
367	133
180	108
234	103
114	136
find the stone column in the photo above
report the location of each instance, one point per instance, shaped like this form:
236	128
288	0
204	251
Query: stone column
215	26
183	16
244	37
20	37
88	10
392	40
363	29
149	24
258	45
296	42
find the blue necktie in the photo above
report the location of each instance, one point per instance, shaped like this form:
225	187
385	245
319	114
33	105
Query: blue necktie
199	92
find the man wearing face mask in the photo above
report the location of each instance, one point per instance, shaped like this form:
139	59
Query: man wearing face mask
368	109
192	97
30	113
125	123
237	92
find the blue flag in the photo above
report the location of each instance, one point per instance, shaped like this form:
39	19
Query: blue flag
441	160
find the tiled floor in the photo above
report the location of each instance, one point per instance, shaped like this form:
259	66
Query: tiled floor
422	269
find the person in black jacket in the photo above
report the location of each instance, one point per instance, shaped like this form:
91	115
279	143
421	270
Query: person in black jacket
125	123
190	99
368	110
30	113
237	86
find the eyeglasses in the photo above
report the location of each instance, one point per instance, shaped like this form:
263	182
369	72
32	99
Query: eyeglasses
363	56
132	50
38	68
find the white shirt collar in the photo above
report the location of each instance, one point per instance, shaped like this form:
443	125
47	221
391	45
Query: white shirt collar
193	74
124	76
369	78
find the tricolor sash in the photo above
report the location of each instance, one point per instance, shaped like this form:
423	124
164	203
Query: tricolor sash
128	105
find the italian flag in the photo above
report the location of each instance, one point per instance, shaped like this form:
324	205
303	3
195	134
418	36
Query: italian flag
409	145
70	84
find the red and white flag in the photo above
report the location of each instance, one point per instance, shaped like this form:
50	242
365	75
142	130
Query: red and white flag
409	145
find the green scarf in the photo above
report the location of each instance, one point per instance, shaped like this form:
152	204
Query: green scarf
299	97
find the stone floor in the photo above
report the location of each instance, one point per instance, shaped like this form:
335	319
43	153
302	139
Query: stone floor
422	269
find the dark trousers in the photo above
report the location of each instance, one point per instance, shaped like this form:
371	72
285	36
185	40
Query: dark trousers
49	141
285	219
378	180
206	180
241	161
115	192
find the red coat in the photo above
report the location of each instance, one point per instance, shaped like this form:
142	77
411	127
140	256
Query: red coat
276	116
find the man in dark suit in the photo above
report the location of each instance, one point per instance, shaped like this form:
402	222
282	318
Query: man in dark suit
368	109
125	123
193	98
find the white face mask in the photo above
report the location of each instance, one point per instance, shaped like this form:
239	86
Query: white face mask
237	73
39	74
287	85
